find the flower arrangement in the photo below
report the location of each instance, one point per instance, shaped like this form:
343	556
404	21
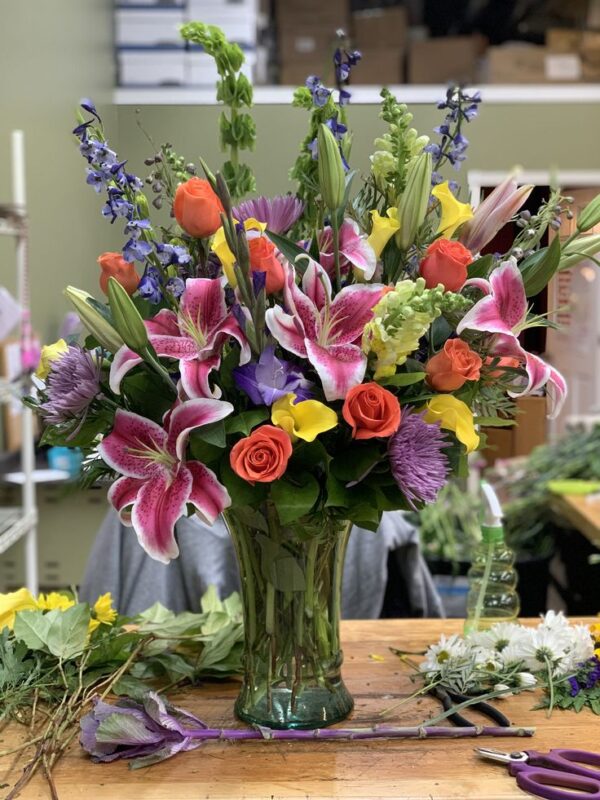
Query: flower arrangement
298	363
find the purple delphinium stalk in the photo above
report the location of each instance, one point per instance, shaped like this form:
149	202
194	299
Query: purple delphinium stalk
72	384
271	378
418	465
280	213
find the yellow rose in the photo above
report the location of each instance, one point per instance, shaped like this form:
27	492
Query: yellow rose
303	420
454	415
454	213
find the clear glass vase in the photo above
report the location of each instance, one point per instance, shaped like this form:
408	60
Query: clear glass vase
291	579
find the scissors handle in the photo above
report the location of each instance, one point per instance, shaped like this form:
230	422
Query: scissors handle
567	761
549	783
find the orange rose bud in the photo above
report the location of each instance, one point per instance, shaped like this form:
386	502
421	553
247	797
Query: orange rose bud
449	369
445	262
504	361
262	456
371	411
113	265
197	208
263	259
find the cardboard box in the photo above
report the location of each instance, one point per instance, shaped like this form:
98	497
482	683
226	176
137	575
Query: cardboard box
519	63
312	15
581	45
379	67
451	58
380	28
520	440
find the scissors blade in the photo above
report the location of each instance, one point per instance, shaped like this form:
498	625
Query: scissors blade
502	757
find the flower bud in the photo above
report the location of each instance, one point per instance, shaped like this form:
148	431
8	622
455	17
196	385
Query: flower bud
94	320
578	250
590	215
412	206
332	178
127	318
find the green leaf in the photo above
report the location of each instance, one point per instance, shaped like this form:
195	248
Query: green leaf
213	434
480	267
204	452
440	332
242	493
579	702
290	250
244	422
294	500
288	575
68	630
354	462
538	269
310	455
494	422
337	494
250	517
31	627
404	379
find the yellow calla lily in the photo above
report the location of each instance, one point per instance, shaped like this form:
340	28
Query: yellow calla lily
50	353
303	420
454	213
221	248
383	229
52	600
454	415
10	603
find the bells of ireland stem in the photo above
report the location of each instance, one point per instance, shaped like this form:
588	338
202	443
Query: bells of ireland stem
95	318
332	178
127	318
412	206
589	216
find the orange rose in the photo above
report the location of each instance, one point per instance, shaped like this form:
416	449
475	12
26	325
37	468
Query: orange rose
262	456
263	259
453	366
445	262
504	361
113	265
197	208
371	411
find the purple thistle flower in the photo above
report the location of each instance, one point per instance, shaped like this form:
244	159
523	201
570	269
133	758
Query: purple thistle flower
271	378
418	465
280	213
149	731
71	386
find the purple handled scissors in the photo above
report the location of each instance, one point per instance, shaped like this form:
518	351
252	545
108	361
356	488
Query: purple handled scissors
546	774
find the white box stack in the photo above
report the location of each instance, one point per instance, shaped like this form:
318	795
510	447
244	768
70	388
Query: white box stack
152	66
146	26
237	18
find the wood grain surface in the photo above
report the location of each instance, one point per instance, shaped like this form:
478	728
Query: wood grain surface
409	769
582	511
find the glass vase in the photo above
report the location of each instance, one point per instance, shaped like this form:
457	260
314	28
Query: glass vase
291	577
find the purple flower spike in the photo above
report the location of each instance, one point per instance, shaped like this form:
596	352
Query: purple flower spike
418	465
271	378
73	383
280	213
149	732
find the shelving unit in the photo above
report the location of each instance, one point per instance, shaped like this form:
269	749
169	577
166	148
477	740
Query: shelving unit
21	521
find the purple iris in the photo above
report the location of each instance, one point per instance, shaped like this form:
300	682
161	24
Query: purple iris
271	378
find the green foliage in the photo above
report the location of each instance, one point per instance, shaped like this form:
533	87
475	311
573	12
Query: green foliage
538	268
566	696
237	128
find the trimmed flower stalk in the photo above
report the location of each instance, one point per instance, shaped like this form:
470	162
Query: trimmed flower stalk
153	730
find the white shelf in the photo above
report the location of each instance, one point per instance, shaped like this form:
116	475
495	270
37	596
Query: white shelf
14	524
365	95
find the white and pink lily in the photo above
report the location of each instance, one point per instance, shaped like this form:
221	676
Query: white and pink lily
355	251
158	482
493	213
503	311
323	330
194	336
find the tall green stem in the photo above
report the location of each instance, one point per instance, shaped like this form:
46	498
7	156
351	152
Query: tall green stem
336	251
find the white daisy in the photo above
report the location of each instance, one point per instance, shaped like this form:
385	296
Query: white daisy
580	648
498	636
438	654
542	646
526	680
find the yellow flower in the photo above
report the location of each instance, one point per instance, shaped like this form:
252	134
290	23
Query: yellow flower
454	415
12	602
383	229
52	600
221	248
454	213
103	612
50	353
303	420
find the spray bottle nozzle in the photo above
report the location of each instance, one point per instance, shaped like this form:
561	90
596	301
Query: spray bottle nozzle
491	527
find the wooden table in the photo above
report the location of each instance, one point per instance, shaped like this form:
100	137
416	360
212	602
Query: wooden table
426	769
581	512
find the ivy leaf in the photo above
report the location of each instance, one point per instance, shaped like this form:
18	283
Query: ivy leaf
244	422
294	500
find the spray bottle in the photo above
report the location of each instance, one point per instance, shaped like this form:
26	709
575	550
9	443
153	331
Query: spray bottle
492	577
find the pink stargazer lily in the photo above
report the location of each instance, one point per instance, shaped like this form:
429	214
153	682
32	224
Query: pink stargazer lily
354	250
503	311
325	331
158	482
493	213
194	337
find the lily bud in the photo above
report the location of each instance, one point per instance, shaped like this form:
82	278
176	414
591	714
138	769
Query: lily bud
128	320
209	176
493	213
332	178
94	320
412	206
578	250
222	193
590	215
